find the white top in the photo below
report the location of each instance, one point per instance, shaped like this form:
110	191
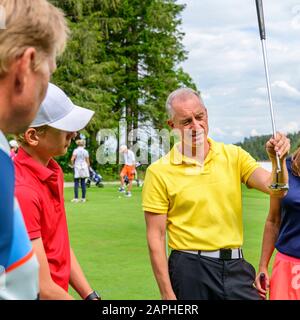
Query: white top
81	154
129	158
81	168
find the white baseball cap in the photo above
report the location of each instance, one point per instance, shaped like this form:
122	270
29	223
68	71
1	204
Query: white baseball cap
58	111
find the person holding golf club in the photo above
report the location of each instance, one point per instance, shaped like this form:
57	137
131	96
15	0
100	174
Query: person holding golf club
194	192
32	34
282	232
39	189
128	170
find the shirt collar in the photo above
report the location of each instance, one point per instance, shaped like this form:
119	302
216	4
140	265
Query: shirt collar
41	171
176	157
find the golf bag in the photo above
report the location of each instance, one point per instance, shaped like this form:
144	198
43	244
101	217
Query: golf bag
95	177
138	182
126	180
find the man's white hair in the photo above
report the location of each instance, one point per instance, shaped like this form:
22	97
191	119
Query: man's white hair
123	148
182	94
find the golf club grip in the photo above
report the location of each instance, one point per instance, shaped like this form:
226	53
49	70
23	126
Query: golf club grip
262	279
261	20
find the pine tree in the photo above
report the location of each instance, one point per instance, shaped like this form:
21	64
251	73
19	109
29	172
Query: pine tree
149	49
122	55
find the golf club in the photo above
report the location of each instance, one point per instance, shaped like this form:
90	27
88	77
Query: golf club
262	31
262	280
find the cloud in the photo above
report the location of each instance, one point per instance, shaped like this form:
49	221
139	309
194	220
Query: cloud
254	133
219	132
237	133
225	61
291	127
291	91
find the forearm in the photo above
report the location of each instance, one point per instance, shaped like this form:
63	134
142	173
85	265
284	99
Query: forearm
52	291
268	245
159	263
77	279
49	290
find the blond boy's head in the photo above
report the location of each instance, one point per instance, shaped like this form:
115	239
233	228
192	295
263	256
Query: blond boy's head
33	34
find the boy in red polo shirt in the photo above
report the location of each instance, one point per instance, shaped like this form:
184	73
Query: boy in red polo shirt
39	189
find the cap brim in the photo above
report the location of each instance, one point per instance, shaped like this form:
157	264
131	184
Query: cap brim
76	120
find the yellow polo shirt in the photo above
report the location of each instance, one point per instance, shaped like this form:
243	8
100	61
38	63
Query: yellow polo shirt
203	204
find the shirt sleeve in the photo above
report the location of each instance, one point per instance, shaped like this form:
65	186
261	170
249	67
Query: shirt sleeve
31	210
154	194
247	165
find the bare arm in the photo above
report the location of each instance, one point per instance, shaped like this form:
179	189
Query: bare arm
49	290
73	159
156	237
77	279
271	231
87	161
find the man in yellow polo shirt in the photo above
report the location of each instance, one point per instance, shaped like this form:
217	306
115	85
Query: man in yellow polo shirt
194	192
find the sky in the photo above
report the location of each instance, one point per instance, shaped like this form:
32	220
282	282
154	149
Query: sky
225	61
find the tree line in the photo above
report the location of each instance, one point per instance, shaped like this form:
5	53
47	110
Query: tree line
256	145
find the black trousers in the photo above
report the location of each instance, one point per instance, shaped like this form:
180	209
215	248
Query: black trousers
196	277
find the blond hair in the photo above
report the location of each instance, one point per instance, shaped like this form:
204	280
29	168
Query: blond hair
39	130
31	23
80	142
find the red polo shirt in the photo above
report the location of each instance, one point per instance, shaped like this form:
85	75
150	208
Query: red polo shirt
39	190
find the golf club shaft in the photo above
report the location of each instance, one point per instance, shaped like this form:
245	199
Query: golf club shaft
261	24
263	42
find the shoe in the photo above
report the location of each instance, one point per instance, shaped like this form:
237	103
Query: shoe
75	200
128	194
83	200
121	189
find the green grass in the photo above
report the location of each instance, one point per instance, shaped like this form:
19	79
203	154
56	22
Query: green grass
255	211
107	234
69	177
108	237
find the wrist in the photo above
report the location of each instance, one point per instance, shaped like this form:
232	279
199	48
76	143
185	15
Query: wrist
93	296
274	160
167	294
263	266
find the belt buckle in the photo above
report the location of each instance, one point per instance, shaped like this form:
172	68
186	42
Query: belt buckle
225	254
